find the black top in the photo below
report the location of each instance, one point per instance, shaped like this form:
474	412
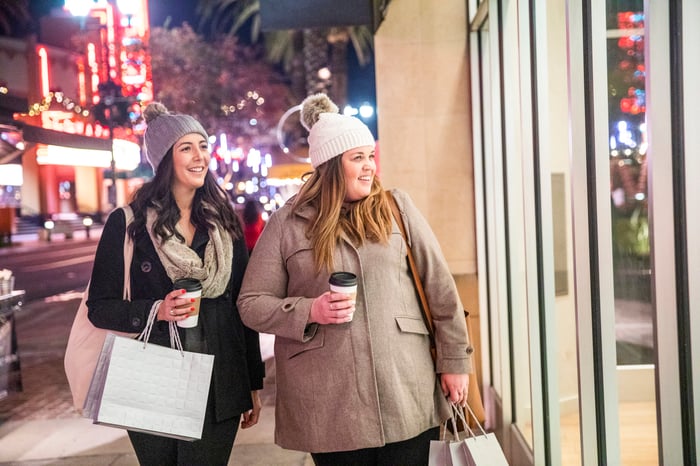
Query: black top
238	366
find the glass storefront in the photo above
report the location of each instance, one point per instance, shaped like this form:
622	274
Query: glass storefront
576	244
631	246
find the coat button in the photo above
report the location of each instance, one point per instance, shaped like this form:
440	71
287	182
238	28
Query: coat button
470	349
136	322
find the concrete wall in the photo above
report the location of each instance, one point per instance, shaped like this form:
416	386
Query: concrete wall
424	120
424	124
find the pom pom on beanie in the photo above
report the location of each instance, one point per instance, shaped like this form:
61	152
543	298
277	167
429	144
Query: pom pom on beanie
331	133
164	129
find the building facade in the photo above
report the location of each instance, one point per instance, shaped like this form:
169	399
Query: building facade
82	78
550	145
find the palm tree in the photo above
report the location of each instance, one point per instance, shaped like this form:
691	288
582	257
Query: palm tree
14	14
302	53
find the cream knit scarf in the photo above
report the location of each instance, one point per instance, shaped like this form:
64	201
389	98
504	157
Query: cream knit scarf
180	261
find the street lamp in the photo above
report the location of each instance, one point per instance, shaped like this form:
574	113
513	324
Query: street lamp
87	223
79	8
49	226
128	8
112	111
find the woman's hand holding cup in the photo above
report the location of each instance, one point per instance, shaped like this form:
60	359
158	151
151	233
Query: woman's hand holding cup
336	306
191	290
175	307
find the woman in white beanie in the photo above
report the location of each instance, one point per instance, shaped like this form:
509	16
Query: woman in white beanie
356	384
183	227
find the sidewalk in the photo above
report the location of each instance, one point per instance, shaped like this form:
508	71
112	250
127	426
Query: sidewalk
32	241
39	426
77	442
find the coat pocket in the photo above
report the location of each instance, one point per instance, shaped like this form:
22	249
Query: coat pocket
295	348
411	325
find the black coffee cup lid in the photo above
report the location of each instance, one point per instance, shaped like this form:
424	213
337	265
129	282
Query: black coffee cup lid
343	279
190	284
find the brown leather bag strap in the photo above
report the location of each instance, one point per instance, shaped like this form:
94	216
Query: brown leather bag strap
427	316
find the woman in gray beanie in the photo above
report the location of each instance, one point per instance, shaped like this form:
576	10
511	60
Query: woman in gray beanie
356	383
183	227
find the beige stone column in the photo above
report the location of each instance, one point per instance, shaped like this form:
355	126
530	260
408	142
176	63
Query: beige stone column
424	121
424	125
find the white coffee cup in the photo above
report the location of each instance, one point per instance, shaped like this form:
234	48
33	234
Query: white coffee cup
193	289
343	282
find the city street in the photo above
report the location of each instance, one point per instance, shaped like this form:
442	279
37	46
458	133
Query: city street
39	426
44	268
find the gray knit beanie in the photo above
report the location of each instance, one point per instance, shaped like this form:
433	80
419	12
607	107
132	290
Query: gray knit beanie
164	129
331	133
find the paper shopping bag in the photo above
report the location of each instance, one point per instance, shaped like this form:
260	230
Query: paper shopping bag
447	453
439	454
484	450
480	449
150	388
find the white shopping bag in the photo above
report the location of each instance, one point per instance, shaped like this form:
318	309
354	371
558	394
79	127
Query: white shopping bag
484	450
150	388
446	451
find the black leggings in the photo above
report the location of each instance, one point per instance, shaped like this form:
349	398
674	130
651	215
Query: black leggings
411	452
214	449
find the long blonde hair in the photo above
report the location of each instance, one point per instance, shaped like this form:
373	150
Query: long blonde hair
368	219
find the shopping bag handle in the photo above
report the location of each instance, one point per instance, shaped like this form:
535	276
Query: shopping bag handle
454	426
456	410
145	335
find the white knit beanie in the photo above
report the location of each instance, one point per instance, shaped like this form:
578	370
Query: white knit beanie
164	129
331	133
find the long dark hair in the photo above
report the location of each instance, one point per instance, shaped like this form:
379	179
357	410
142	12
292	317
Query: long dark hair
210	207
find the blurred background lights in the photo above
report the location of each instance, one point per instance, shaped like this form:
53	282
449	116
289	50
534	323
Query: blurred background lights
366	110
78	7
129	7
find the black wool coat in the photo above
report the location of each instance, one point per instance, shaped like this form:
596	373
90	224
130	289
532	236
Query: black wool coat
238	367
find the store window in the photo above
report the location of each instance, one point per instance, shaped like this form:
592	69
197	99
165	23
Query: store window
628	186
634	313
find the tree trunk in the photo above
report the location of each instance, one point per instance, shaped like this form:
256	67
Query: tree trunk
297	72
315	58
339	73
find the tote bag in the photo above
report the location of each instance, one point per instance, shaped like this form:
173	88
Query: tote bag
150	388
85	340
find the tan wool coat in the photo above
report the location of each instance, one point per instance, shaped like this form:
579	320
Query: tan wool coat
370	381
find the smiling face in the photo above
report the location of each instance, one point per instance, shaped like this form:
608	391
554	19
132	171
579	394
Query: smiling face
359	168
190	162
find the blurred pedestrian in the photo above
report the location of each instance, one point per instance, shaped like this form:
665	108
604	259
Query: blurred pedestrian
356	383
253	223
183	227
